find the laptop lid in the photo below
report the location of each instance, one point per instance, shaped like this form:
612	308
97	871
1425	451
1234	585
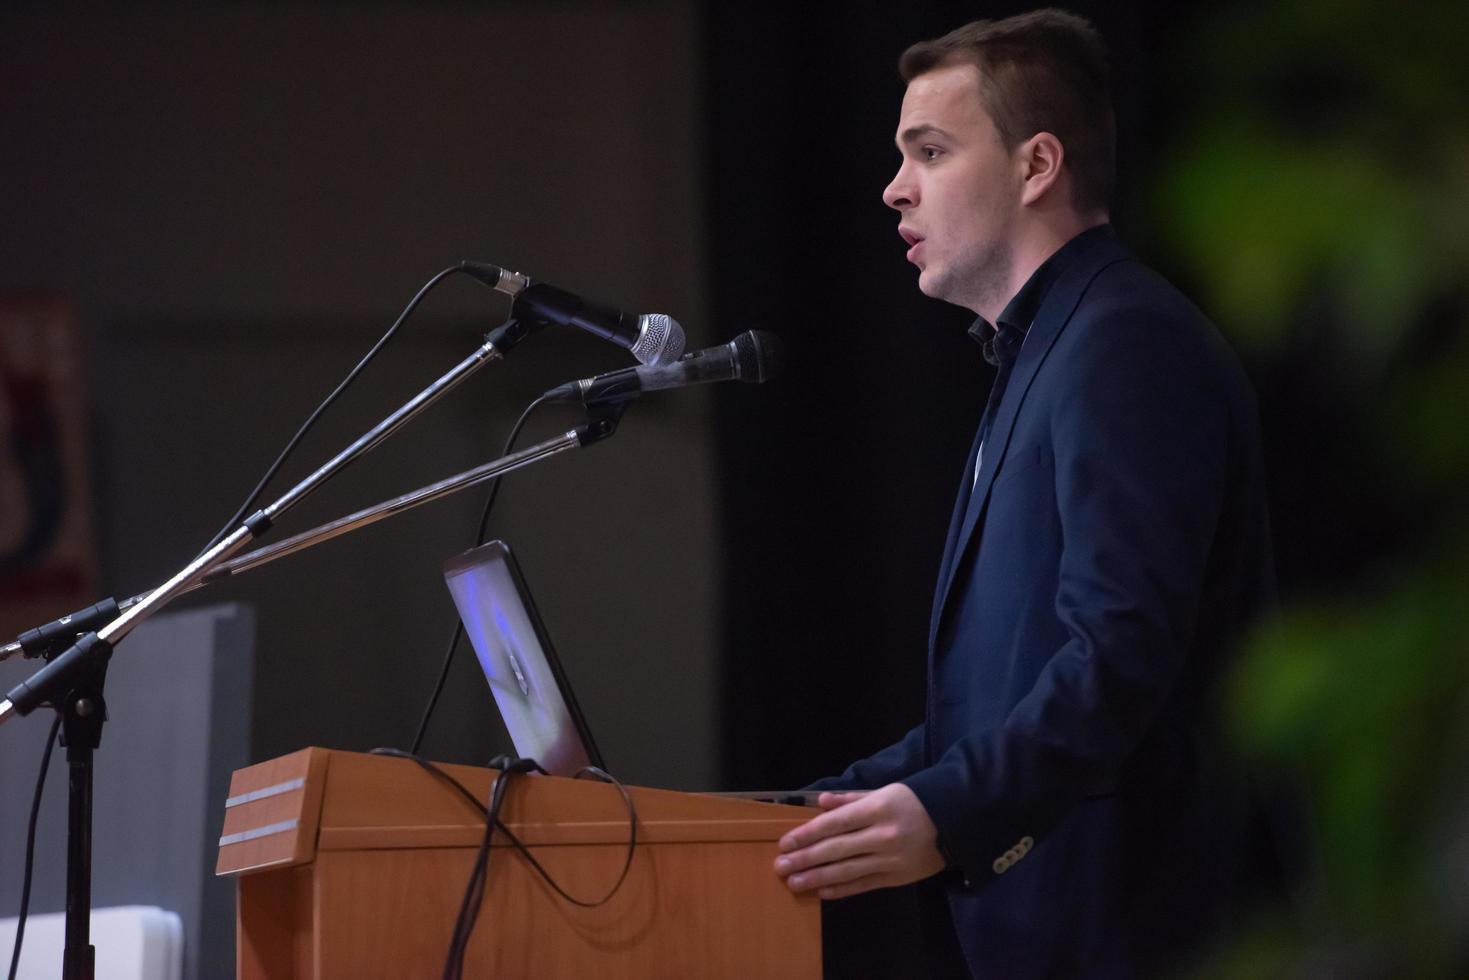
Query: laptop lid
530	688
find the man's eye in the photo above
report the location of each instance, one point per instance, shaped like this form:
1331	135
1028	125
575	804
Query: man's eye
930	152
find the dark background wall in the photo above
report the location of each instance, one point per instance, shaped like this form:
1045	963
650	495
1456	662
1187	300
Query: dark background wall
240	198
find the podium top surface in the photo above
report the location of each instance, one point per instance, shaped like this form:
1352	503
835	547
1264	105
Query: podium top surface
283	812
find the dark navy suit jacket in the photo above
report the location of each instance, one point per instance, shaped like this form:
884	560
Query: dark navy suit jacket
1114	546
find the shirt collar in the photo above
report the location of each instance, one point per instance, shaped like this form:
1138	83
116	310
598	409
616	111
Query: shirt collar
1002	341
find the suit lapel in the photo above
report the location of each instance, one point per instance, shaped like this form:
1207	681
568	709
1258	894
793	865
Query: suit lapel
956	521
1055	312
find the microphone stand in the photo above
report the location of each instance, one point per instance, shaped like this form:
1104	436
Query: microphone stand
73	679
599	427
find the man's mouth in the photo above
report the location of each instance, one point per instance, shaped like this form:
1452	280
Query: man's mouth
914	240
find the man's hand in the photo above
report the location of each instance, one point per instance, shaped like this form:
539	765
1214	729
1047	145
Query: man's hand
865	840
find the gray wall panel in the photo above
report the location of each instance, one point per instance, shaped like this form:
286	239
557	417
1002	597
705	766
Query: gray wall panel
178	693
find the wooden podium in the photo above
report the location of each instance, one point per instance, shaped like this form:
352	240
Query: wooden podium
354	865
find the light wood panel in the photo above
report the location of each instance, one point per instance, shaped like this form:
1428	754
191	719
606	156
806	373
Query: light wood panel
380	887
280	801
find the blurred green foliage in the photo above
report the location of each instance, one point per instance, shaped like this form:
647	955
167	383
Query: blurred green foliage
1322	177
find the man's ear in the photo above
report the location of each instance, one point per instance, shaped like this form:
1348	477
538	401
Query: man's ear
1041	158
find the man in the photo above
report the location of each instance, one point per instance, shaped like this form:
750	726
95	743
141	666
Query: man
1109	542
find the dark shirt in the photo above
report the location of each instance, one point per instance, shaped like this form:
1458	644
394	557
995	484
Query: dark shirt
1001	342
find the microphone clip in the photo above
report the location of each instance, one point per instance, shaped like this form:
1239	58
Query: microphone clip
509	334
603	415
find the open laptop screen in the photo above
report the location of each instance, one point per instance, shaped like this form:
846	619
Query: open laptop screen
529	686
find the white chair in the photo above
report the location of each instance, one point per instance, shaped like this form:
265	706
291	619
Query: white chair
133	942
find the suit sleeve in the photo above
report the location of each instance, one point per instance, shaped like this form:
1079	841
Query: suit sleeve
900	759
1140	429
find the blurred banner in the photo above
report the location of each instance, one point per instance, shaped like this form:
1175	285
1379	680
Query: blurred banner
48	561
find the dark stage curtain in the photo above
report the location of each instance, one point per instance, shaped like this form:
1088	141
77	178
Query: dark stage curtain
838	478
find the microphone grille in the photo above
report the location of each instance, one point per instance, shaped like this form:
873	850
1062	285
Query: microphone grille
759	356
660	340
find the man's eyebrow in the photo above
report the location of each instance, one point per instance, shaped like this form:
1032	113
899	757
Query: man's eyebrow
914	133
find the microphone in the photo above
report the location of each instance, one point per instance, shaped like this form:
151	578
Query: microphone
754	357
653	338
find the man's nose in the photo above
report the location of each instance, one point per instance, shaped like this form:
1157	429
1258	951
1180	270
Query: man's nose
900	193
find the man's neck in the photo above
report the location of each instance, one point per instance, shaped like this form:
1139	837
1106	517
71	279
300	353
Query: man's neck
1042	238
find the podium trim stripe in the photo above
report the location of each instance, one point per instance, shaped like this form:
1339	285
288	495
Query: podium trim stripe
288	786
266	831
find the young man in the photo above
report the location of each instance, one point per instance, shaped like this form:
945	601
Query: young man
1108	544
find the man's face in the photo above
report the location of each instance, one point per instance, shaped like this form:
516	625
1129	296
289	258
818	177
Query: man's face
957	189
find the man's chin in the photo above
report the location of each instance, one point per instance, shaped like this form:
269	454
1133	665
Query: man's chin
932	285
928	283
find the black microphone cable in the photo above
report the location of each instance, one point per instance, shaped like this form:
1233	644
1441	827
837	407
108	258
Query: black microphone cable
25	886
479	874
250	501
474	889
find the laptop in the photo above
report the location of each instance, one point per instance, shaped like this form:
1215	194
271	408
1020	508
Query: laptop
515	653
529	685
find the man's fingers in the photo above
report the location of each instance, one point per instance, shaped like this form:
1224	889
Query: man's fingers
839	873
867	840
856	887
843	819
876	840
830	801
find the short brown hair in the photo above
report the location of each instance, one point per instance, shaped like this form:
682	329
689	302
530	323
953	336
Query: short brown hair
1045	71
